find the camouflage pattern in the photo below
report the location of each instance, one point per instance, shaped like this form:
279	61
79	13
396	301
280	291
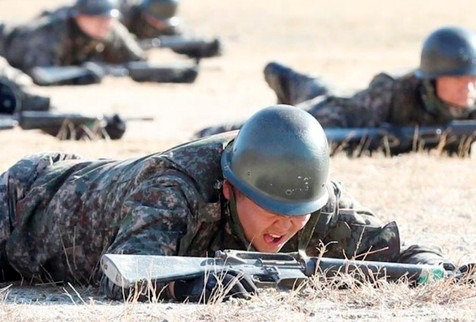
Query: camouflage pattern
22	85
395	99
54	39
403	100
133	18
59	213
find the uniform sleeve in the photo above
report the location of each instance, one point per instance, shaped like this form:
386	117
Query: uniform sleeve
157	216
123	47
29	48
354	232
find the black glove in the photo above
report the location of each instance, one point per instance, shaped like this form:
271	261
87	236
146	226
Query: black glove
215	287
115	127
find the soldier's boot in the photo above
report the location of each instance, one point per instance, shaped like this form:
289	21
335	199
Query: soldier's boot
292	87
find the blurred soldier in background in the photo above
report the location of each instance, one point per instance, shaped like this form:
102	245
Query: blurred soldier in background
21	94
156	25
87	31
442	89
20	106
150	18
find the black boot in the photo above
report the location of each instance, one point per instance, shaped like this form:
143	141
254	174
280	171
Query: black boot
292	87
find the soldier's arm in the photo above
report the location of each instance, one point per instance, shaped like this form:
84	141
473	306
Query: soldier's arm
354	231
122	47
30	48
371	106
156	216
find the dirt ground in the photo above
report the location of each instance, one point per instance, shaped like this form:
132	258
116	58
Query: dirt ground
431	197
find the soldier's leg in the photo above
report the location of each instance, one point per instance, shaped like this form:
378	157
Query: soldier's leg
7	273
292	87
14	185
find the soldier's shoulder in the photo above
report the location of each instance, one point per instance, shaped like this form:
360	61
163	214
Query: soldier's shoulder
49	21
217	141
128	5
121	31
62	12
396	74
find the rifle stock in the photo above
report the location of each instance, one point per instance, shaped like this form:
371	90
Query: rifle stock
283	270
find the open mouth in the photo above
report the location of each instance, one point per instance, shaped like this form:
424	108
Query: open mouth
273	239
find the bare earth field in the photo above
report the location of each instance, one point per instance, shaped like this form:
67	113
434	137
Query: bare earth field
431	197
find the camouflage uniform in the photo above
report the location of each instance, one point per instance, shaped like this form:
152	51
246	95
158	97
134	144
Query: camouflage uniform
21	85
132	17
395	99
59	213
398	100
54	39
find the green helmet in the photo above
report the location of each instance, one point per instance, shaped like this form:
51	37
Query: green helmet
448	51
106	8
9	101
164	10
280	160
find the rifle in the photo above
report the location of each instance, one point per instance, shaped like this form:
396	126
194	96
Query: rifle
283	270
71	126
192	47
455	137
93	72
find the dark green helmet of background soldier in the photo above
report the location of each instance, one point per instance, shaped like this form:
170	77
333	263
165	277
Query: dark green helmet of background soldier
448	51
280	160
163	10
106	8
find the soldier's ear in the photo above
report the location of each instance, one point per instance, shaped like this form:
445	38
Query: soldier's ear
227	189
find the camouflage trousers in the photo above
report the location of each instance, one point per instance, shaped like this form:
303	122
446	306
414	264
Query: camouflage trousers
5	222
14	184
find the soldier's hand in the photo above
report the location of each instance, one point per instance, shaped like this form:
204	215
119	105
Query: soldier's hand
212	287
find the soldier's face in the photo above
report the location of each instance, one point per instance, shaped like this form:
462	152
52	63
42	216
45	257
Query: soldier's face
97	27
458	91
265	230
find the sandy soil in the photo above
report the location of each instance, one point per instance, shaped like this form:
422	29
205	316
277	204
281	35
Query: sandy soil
431	197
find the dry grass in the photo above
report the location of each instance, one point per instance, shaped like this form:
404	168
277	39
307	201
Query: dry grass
430	196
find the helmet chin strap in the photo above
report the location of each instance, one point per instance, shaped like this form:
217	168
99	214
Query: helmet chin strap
235	220
304	235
